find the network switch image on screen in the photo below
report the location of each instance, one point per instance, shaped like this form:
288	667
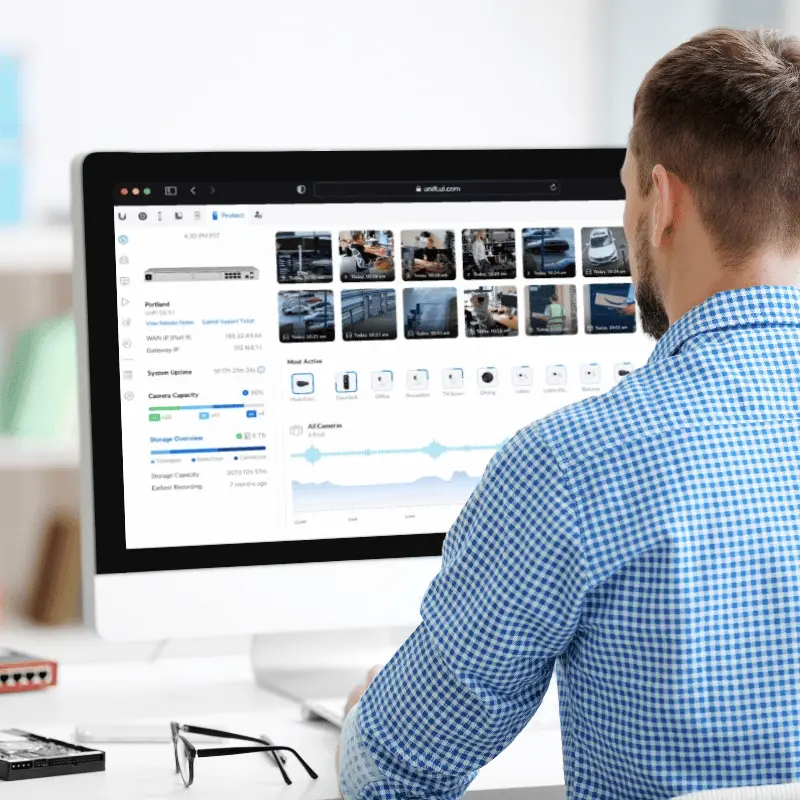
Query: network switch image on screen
304	257
366	256
369	314
548	252
605	253
306	316
489	253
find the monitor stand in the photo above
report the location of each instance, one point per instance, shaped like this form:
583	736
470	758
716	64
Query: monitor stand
313	665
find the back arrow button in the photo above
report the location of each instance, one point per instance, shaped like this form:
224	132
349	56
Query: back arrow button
193	190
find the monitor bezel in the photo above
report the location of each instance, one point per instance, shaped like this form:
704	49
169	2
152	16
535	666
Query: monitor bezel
96	175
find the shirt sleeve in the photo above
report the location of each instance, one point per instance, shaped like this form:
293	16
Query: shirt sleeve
504	606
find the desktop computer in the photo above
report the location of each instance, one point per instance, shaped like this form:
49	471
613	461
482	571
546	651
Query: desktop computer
276	441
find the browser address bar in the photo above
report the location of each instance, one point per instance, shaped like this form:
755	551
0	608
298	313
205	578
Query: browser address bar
374	190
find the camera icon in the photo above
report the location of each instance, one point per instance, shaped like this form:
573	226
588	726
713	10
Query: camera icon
487	376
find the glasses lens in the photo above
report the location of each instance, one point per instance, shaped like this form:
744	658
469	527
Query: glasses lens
182	759
174	728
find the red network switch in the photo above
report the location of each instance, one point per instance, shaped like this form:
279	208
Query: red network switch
20	672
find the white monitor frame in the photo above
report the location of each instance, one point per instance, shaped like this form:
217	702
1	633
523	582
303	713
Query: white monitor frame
270	599
148	606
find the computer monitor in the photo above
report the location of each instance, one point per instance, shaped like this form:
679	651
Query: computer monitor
270	448
509	300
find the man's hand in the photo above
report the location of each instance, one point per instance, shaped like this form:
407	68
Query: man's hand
359	690
628	310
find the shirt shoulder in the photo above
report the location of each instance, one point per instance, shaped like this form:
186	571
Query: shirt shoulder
648	403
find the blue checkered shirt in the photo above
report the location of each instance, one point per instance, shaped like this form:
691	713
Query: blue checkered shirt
646	544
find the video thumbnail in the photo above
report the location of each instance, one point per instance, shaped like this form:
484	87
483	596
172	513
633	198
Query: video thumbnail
609	308
306	316
491	311
552	310
430	313
605	253
489	253
428	255
366	256
548	252
369	314
304	257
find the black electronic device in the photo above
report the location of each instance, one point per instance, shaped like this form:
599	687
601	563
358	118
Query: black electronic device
25	755
508	300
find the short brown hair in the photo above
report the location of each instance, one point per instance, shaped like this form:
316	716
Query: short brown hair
722	112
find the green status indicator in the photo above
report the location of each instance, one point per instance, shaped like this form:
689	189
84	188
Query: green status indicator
238	435
147	191
155	418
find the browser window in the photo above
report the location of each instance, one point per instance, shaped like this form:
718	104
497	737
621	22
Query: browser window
349	366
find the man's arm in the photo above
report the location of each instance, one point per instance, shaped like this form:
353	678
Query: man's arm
506	603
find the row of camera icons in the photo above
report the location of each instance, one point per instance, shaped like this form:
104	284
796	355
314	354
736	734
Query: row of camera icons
453	379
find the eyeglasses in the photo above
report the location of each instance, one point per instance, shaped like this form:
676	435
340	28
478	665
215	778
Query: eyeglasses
186	752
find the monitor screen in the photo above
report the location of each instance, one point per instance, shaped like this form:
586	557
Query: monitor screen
296	387
509	301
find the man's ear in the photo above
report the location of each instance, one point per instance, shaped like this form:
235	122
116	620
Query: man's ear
664	206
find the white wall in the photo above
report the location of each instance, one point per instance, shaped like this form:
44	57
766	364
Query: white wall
793	16
636	33
193	74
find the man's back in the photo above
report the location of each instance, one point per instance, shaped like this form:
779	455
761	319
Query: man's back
646	544
686	657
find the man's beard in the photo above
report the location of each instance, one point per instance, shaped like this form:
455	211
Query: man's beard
655	321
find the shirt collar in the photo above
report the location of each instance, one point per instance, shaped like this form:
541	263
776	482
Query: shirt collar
756	306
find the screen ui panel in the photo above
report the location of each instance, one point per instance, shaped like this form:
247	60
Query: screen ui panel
328	371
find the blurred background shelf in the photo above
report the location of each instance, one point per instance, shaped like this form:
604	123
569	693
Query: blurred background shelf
42	250
29	454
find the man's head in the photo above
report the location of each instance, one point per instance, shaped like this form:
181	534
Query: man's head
712	174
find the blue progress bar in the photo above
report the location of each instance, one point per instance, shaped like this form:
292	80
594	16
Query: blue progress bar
206	408
207	450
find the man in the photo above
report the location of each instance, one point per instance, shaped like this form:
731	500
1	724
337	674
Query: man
555	315
482	264
646	542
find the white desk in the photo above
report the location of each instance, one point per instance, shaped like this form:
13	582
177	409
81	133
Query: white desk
219	692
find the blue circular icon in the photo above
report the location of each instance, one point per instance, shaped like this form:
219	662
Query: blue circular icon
245	393
123	240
